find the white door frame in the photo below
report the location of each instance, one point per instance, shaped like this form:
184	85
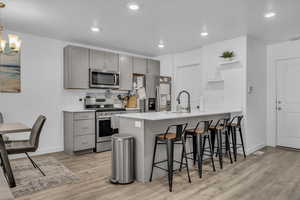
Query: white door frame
274	108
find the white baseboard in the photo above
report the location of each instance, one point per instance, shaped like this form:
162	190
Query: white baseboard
255	148
39	152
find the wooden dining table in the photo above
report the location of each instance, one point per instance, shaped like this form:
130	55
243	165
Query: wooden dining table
7	128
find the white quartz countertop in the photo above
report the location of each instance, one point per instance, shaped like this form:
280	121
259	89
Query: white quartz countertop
85	110
78	110
174	115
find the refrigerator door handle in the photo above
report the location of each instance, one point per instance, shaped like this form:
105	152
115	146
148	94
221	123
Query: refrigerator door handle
157	99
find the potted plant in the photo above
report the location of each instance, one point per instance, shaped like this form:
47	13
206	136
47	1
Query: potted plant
228	55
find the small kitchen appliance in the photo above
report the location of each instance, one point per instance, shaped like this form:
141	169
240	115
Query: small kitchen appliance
104	79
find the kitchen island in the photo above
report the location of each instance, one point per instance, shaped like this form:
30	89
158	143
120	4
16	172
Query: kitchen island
144	126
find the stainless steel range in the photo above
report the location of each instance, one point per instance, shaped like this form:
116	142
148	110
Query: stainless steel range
104	129
103	122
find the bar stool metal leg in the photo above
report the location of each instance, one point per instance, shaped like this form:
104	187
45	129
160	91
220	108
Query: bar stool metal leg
195	146
186	161
233	138
228	146
170	151
220	152
182	155
211	153
242	141
153	159
199	154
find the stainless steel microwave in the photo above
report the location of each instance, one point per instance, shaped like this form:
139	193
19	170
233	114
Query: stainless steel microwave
104	79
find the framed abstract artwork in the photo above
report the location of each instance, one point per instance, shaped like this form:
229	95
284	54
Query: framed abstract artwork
10	73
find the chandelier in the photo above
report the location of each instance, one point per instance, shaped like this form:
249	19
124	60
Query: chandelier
13	45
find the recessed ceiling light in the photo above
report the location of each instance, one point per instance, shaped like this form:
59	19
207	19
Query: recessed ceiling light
270	15
204	34
133	6
161	45
95	29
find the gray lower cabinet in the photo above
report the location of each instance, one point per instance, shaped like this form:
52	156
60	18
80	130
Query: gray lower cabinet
79	131
76	65
153	67
139	65
126	70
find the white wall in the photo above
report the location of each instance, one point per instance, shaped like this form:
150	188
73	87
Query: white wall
257	99
41	90
217	95
229	95
281	51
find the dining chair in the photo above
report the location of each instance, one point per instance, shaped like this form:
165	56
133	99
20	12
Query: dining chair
5	138
30	145
1	118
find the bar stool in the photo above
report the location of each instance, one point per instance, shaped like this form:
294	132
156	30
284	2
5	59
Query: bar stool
219	129
233	126
169	139
198	135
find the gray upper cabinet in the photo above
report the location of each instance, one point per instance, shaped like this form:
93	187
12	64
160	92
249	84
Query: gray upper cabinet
139	65
126	70
152	82
104	60
97	59
153	67
111	61
76	65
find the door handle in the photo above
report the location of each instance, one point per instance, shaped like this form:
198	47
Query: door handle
279	108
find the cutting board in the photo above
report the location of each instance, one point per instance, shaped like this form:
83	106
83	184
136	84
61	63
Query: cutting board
132	102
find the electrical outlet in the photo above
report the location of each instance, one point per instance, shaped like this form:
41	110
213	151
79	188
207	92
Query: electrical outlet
137	124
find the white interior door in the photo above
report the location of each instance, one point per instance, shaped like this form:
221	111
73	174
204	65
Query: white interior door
189	78
288	103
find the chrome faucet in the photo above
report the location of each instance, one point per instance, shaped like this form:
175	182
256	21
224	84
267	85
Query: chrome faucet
189	99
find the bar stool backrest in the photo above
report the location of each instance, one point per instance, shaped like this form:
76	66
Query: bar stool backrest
222	122
206	126
238	120
178	135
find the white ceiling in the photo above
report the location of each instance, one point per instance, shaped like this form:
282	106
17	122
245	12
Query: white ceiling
177	22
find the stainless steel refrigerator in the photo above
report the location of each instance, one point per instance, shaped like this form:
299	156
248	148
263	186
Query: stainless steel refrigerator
164	93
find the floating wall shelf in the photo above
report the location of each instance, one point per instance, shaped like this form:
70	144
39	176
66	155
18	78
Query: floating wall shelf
215	81
229	64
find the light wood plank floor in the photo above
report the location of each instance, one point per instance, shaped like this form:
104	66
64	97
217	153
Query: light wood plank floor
274	175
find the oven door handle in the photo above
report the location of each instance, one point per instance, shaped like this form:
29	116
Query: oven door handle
103	118
115	81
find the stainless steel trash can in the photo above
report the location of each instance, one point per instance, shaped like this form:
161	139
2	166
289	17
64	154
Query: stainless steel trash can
122	159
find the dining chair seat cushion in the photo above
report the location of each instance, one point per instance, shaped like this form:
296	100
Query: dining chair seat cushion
216	128
197	131
19	146
234	125
168	136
